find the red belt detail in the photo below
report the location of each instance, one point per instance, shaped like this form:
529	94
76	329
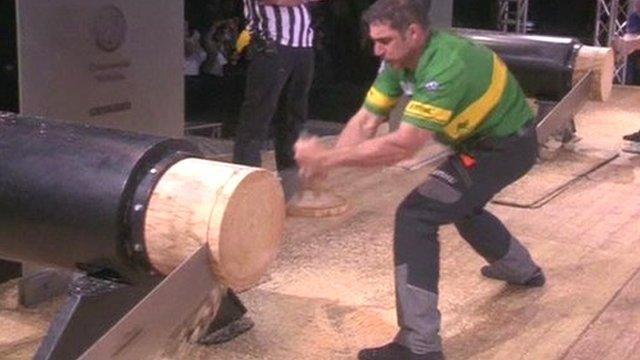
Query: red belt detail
467	160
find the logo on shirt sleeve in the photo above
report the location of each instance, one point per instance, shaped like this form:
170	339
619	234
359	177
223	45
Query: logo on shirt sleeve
432	86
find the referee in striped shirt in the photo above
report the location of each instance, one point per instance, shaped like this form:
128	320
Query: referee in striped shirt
281	65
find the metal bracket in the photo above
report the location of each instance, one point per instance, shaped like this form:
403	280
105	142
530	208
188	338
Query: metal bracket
103	319
39	284
182	306
94	305
214	129
9	270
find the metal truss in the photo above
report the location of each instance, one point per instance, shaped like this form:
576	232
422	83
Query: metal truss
611	20
513	15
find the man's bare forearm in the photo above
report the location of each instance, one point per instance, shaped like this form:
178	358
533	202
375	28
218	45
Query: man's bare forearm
384	150
373	152
361	127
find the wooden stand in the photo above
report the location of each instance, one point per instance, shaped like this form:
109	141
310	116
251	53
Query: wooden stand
316	202
238	210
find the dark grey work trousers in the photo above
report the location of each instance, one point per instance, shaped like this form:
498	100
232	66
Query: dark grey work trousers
287	71
456	193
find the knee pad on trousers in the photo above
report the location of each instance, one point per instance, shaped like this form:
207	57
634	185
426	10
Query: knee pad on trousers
416	245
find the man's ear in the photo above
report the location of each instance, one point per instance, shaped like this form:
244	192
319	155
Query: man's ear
414	31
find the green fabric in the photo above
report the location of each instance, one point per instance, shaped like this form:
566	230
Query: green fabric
451	75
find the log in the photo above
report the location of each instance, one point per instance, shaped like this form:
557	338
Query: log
76	195
128	206
239	211
601	61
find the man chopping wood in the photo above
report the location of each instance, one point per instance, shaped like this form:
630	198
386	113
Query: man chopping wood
463	96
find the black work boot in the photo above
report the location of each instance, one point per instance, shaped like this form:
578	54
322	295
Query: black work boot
229	322
395	351
536	280
631	143
516	267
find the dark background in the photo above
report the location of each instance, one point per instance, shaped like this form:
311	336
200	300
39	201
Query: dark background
344	64
8	62
572	18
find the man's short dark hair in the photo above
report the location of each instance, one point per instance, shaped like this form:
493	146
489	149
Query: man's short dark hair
399	14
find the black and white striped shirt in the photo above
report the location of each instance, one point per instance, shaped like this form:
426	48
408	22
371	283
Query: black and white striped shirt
286	25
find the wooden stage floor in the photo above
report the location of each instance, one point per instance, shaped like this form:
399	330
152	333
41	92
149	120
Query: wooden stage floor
331	290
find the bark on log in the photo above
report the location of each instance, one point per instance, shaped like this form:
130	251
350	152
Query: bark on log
600	60
238	210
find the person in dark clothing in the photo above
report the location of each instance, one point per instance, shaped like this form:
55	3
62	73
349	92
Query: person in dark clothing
632	141
281	64
633	28
462	95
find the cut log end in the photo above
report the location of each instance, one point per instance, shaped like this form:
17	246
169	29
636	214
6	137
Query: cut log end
601	61
246	239
239	211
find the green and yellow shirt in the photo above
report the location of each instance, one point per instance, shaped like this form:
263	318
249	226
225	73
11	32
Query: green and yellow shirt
460	90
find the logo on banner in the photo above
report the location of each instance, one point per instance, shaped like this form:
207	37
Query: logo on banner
109	28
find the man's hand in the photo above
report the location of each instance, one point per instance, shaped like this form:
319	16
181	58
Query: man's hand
311	155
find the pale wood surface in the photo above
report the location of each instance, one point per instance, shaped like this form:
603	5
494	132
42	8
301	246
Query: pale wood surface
330	291
237	210
614	333
600	60
335	276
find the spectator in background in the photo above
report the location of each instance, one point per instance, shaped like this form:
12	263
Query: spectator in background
219	43
194	54
216	24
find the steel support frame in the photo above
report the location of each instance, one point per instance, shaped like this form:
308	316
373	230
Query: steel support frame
611	21
513	15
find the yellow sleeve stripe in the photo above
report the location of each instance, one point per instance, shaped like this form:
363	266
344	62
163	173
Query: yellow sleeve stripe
471	117
427	112
379	100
